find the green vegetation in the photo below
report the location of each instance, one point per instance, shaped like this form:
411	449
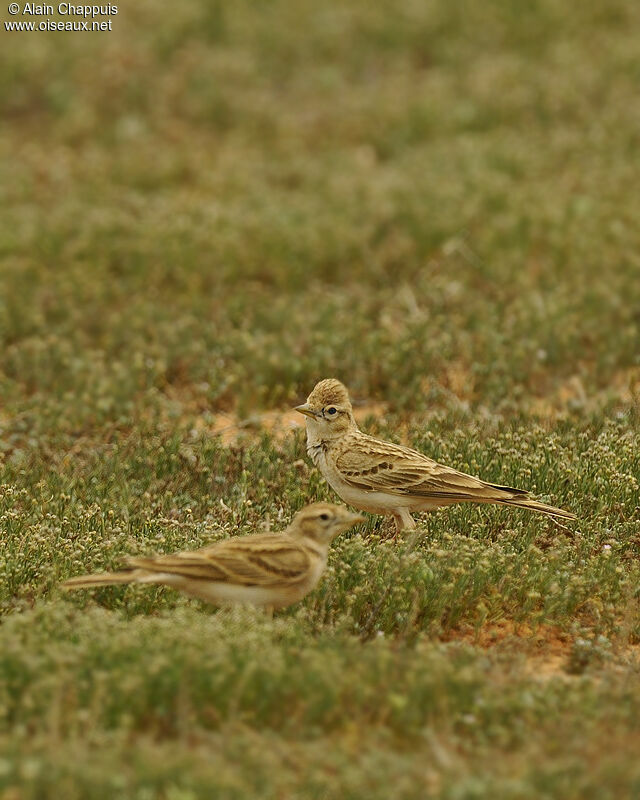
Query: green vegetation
210	208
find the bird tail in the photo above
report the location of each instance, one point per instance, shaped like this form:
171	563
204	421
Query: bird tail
103	579
542	508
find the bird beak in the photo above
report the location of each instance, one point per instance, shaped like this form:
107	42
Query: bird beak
306	409
348	521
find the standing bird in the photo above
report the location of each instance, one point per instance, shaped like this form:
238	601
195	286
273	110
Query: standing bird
272	570
385	478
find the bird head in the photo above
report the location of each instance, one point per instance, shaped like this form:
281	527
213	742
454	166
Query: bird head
322	522
328	410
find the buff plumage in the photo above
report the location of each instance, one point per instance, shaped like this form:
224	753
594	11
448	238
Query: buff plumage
271	570
386	478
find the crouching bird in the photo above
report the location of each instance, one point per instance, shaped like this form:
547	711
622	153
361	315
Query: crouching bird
272	570
385	478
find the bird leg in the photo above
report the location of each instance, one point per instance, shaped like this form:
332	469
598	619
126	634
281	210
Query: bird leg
404	520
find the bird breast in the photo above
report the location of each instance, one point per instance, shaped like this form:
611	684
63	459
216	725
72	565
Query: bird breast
365	500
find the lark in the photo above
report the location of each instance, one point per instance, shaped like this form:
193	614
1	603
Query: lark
271	570
385	478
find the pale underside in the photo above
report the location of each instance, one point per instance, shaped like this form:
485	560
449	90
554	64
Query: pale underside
386	478
271	569
228	593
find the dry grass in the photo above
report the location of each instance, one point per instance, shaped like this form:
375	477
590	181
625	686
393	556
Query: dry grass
209	209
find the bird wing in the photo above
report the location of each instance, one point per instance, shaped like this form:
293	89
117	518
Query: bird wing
372	465
262	560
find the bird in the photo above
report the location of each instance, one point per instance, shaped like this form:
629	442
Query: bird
385	478
269	570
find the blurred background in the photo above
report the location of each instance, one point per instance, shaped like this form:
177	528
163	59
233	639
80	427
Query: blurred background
214	205
203	212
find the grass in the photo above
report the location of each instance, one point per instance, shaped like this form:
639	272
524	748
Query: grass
202	213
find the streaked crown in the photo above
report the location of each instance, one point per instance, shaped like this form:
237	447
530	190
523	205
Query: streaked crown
322	521
330	391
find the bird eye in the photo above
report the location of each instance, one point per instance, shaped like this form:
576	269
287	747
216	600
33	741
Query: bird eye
332	410
324	517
